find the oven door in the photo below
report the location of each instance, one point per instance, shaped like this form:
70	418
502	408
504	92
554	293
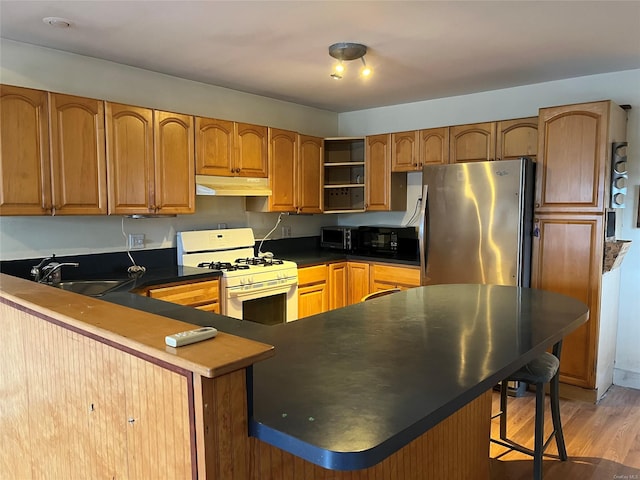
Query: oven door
268	303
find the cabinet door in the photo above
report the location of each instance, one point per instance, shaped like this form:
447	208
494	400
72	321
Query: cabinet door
283	155
215	147
312	299
190	294
567	259
313	292
175	186
378	172
434	146
337	285
517	138
572	156
358	276
251	150
391	276
78	162
405	151
25	183
472	143
130	159
309	176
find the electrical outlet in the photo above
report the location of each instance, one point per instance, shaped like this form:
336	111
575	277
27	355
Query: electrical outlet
136	241
286	231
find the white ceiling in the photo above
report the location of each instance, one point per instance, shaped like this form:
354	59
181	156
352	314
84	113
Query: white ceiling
419	50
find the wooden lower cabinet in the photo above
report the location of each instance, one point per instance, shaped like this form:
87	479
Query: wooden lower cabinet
204	295
358	281
384	277
313	292
567	259
337	285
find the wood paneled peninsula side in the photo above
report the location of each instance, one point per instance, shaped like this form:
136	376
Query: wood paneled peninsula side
398	387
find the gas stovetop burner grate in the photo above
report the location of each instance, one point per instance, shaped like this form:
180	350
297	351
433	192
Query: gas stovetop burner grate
224	266
258	261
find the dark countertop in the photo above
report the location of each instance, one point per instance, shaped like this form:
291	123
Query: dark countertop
319	257
349	387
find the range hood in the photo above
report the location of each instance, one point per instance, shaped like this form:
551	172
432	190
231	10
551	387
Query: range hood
232	186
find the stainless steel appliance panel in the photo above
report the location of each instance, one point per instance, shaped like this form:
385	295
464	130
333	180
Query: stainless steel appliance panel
476	223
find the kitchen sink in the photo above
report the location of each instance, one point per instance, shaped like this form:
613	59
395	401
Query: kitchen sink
92	288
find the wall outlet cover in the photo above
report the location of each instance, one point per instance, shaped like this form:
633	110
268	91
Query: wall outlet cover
136	241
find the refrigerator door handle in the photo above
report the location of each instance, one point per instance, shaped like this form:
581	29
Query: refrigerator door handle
422	233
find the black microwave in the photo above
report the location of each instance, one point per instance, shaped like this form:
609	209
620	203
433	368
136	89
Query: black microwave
388	242
344	239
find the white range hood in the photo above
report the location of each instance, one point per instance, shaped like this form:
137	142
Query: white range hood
232	186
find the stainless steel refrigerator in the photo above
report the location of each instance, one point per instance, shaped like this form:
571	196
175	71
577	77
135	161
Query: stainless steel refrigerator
476	223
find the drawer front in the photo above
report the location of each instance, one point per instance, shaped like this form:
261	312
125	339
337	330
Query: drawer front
209	307
392	275
310	275
188	294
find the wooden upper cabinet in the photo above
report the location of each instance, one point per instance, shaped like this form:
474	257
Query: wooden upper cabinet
385	190
573	153
405	149
78	164
231	149
517	138
378	172
25	183
283	164
309	174
53	154
215	146
175	188
251	150
434	146
472	143
150	161
130	159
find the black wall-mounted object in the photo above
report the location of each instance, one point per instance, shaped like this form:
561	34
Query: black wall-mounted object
619	175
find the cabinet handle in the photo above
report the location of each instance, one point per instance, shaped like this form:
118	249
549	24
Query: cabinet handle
537	205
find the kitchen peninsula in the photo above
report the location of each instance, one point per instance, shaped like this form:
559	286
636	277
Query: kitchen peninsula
397	387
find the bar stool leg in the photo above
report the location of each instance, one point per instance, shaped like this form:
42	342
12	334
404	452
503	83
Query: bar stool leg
539	432
555	415
503	409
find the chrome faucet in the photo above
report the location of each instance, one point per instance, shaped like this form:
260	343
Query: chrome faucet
50	272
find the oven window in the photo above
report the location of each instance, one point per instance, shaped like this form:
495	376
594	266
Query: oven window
266	310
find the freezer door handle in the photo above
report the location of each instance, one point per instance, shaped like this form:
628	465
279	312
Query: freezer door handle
422	235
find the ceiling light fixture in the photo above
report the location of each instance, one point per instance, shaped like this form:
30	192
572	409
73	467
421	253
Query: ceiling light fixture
345	52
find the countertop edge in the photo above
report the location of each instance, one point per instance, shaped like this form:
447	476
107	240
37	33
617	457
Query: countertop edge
101	320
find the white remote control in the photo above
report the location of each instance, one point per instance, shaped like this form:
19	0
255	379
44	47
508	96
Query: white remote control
190	336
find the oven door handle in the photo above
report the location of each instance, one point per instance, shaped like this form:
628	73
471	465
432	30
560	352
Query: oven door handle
284	287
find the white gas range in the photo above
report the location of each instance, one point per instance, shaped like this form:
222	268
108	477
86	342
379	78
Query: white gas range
259	289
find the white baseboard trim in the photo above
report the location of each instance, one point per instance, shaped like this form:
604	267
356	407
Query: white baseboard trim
626	378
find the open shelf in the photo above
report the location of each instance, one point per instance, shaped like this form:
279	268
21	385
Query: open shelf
344	174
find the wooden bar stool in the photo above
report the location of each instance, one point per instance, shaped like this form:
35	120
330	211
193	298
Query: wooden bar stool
538	372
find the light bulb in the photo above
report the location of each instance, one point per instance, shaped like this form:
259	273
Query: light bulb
339	68
366	71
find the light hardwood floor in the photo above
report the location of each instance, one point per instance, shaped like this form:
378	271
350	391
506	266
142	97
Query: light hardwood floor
603	440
